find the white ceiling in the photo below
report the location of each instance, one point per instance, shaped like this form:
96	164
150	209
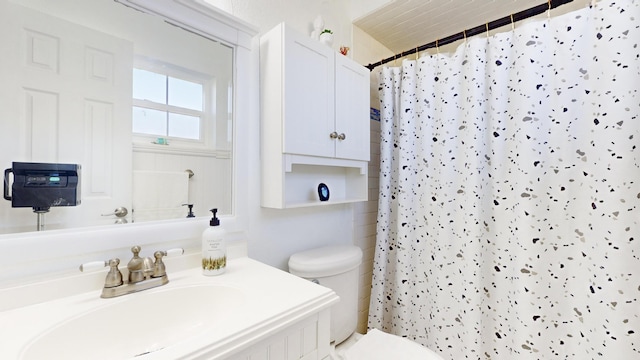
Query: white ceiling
405	24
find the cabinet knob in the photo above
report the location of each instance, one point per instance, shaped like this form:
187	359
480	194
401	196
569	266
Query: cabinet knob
333	135
342	136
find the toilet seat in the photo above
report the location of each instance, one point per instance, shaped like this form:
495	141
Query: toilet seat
378	345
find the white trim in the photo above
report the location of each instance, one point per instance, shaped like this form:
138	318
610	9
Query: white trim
201	18
161	149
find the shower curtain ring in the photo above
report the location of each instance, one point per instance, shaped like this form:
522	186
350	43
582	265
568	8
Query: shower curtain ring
549	9
486	25
464	32
513	25
437	47
417	53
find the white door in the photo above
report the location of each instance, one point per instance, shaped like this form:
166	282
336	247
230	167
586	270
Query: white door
68	100
308	99
352	109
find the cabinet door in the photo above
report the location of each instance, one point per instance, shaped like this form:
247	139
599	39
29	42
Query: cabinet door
352	109
308	96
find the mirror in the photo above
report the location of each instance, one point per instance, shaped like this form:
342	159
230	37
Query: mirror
143	106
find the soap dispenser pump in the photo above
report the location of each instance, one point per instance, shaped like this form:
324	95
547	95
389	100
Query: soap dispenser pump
190	214
214	252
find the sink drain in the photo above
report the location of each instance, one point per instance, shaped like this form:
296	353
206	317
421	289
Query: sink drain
148	352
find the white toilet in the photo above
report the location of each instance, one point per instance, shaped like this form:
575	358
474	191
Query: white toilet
336	267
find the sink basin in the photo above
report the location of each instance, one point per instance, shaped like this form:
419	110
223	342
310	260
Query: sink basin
252	309
138	324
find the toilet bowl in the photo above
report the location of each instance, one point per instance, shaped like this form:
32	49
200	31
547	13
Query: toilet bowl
337	267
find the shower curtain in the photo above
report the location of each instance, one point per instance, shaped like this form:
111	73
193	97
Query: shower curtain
509	211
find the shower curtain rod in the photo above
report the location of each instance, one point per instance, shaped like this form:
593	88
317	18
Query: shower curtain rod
536	10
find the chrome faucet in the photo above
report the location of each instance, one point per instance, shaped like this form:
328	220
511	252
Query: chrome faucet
144	273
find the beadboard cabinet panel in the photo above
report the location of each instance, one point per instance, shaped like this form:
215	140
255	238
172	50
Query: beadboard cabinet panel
307	339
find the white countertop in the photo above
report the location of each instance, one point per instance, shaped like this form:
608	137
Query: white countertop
273	300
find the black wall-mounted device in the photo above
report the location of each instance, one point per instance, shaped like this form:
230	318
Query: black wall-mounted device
43	185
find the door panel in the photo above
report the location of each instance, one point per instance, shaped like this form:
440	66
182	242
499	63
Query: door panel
69	101
308	102
352	109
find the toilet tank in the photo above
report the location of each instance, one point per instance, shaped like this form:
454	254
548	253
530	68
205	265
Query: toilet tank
336	267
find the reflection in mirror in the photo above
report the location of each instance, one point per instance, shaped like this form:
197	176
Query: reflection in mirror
143	106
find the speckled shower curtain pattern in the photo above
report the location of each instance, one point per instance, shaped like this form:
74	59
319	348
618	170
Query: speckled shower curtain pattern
509	209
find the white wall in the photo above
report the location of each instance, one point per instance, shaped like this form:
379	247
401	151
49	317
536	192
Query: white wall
367	50
299	14
272	235
276	234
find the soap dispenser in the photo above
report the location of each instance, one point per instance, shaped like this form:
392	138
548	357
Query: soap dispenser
190	214
214	252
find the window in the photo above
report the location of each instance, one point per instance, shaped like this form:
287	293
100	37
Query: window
168	105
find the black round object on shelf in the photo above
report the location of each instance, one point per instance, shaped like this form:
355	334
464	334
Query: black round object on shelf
323	192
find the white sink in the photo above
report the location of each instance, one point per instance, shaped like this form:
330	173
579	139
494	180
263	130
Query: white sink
138	324
193	317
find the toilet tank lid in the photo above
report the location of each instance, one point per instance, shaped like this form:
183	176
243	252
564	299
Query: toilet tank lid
325	261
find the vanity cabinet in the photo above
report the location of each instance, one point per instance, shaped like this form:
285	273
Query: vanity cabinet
315	121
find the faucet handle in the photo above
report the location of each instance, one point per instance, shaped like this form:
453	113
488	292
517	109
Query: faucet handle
114	276
173	252
93	266
159	269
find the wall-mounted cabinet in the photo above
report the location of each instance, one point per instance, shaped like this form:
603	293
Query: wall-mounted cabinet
315	121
